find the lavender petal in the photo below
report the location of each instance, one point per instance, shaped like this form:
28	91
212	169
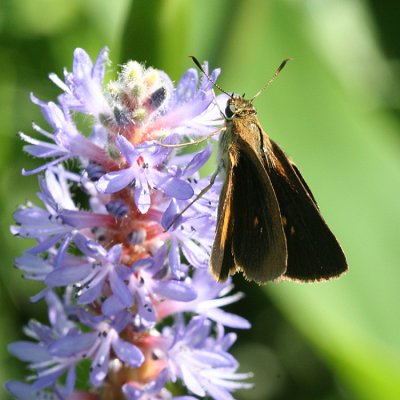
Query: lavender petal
128	353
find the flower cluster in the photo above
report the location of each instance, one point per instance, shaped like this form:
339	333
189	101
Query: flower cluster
130	300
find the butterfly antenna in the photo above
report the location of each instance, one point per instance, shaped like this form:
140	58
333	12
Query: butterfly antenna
196	61
276	73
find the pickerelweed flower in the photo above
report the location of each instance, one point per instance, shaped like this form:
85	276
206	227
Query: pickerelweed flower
131	304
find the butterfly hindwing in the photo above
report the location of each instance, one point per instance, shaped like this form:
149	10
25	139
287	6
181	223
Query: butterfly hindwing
313	251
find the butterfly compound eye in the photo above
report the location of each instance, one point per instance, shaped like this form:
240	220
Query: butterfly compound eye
230	111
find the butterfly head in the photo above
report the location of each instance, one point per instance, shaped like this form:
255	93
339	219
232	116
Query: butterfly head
239	107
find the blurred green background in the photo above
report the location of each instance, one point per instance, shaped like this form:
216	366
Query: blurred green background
334	109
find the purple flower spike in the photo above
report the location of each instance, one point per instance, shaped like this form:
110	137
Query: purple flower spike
122	242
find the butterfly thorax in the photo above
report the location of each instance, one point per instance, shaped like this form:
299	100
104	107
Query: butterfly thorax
242	128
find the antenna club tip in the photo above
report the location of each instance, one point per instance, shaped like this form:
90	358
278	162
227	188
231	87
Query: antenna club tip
197	62
284	62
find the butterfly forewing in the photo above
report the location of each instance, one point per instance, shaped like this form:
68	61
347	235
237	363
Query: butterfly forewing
221	261
259	246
